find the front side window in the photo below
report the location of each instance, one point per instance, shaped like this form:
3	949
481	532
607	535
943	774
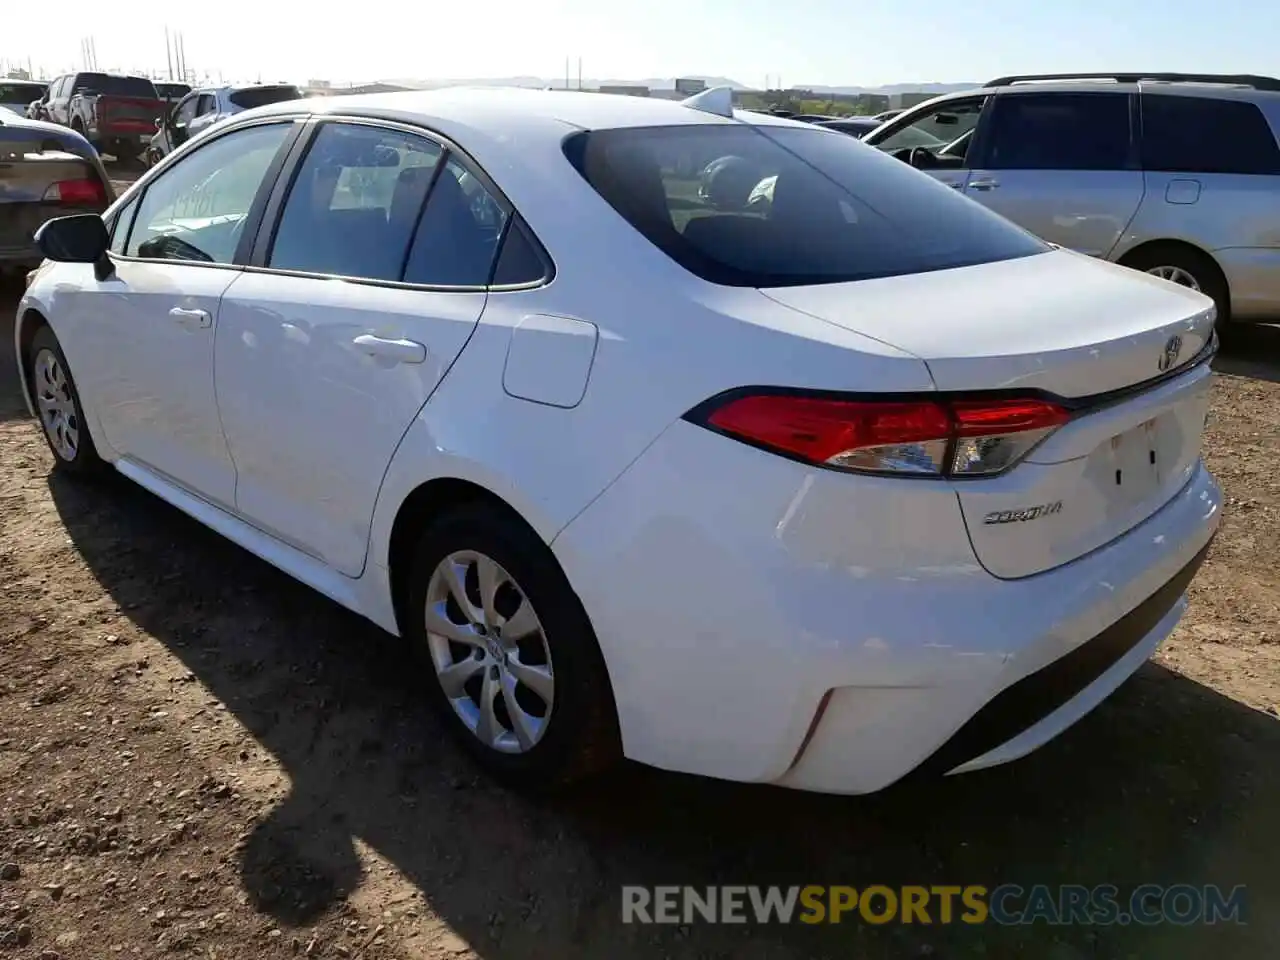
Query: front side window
944	131
205	104
120	224
1204	135
196	210
1060	131
354	204
185	112
778	206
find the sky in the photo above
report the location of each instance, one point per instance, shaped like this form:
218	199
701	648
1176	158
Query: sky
824	42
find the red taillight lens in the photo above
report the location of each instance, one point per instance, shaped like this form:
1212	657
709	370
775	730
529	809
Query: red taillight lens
76	191
960	438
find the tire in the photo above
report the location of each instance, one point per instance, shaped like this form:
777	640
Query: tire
57	403
577	735
1161	258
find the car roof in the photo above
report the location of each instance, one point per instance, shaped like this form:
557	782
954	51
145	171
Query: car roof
1225	91
493	110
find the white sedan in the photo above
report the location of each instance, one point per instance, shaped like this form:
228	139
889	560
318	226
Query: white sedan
854	481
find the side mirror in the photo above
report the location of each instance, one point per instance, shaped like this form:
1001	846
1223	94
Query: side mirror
81	238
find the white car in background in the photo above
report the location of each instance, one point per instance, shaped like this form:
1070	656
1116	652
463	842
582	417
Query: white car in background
862	481
202	108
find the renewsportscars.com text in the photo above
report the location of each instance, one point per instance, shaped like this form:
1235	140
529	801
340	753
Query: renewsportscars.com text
1006	904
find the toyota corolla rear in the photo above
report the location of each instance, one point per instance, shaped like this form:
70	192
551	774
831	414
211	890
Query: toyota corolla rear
938	491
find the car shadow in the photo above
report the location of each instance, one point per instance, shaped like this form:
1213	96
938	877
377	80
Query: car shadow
12	406
1253	351
1168	782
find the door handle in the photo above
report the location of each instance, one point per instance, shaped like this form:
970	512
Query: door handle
192	319
401	351
983	184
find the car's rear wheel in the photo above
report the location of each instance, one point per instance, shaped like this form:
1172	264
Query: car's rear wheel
513	665
57	403
1189	268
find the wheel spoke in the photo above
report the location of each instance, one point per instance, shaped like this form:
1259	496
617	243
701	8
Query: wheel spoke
523	725
490	577
437	619
455	578
536	678
521	623
487	726
453	678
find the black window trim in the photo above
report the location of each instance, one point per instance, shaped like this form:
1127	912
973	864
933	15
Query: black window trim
252	219
269	225
981	146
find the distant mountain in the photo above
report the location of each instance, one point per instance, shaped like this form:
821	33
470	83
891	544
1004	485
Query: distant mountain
892	88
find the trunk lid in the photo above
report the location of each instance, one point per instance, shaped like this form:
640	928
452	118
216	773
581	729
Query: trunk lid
24	179
1082	330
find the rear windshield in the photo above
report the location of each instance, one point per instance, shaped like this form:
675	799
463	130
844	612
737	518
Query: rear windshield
22	93
757	206
116	86
172	91
252	97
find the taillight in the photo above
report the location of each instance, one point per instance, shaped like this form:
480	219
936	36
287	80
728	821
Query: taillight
76	191
921	437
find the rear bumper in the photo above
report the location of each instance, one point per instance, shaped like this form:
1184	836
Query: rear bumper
1253	276
767	622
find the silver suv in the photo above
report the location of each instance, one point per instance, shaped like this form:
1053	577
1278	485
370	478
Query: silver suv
1174	174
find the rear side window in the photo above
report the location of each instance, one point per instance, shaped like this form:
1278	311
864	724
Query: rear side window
519	261
22	93
758	206
1059	131
355	202
252	97
1203	135
458	237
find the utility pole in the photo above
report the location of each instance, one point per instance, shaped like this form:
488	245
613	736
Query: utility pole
168	52
579	73
566	73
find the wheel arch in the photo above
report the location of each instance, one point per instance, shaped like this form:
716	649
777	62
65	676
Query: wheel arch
29	321
1146	247
431	499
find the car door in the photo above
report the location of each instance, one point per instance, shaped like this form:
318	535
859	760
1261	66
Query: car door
326	354
177	130
149	328
1062	165
56	106
934	139
206	113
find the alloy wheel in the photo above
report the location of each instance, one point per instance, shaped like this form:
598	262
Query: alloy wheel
1178	275
57	408
489	652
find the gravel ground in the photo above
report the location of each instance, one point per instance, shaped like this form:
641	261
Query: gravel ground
199	756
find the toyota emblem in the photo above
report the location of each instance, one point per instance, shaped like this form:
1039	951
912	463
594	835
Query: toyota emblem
1169	358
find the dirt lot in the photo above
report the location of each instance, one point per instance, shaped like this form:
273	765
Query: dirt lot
198	755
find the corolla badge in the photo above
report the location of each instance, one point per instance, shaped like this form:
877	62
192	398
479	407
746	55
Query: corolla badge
1172	347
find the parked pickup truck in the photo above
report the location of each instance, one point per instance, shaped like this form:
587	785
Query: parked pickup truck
117	114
